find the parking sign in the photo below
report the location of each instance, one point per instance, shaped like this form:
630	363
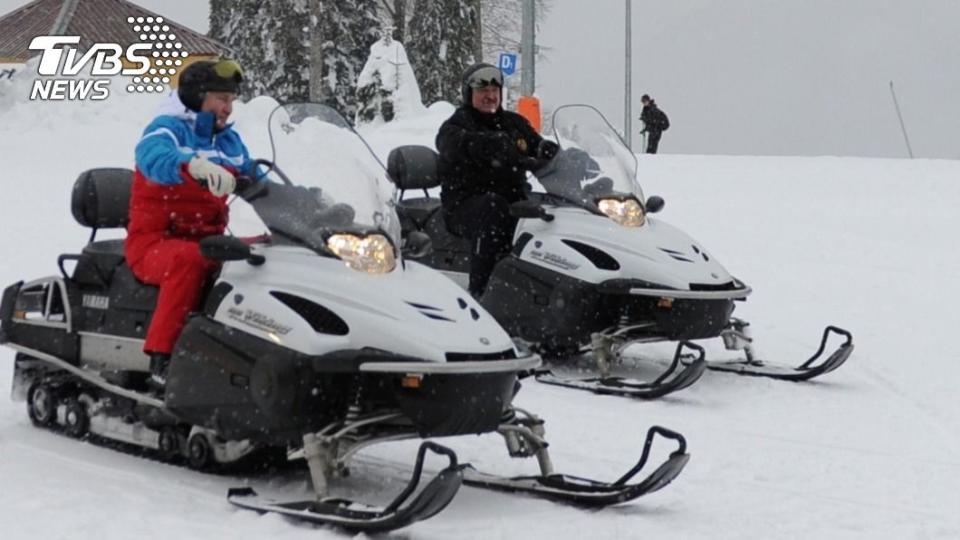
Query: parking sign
508	63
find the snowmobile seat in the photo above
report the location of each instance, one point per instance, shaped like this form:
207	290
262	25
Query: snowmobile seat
98	262
100	200
415	167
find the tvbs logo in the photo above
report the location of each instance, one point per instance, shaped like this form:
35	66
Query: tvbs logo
106	58
151	63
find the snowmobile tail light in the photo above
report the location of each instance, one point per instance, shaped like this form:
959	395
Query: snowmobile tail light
372	253
626	212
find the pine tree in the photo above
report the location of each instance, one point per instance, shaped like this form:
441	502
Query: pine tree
349	28
443	35
267	40
271	41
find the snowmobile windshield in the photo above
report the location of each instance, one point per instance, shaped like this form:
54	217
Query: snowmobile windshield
593	164
326	182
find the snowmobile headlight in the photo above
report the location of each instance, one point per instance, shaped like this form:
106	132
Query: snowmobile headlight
626	212
372	253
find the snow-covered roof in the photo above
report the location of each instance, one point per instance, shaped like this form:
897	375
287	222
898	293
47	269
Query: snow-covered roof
93	20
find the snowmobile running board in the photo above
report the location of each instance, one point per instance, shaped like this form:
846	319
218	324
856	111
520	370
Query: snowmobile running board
591	493
357	517
87	376
806	371
684	374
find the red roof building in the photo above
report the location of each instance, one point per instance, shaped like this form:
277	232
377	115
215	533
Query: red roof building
95	21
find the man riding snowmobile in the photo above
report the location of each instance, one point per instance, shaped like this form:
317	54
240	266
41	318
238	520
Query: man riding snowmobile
189	142
484	154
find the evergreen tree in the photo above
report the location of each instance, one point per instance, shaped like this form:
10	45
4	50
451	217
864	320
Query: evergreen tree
441	45
349	28
271	40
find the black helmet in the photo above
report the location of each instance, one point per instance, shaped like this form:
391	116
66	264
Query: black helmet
208	76
479	75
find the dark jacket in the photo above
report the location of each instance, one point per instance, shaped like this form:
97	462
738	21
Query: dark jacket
653	118
475	160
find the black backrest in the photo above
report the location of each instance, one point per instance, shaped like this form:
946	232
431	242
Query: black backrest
101	198
413	167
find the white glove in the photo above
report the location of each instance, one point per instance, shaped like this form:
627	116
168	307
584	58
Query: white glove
219	181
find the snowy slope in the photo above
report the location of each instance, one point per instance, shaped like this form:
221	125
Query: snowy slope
869	452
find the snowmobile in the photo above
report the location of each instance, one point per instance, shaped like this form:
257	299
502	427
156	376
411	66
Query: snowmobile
319	339
592	270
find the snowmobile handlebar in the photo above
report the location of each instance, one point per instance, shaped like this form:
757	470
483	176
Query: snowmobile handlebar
529	209
246	181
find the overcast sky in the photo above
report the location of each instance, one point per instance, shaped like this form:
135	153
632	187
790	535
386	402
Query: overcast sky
779	77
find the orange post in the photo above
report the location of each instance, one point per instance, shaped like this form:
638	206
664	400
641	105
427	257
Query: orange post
529	108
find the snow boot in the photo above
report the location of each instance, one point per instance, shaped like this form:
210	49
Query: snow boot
159	363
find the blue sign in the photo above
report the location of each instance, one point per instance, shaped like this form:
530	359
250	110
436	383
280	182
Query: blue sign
508	63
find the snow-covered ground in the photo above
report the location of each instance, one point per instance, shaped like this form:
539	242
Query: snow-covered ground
871	451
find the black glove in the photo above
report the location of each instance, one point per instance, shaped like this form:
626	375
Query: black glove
547	149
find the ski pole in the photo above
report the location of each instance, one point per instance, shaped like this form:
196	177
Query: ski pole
900	116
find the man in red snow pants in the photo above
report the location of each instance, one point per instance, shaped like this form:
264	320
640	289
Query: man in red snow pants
186	164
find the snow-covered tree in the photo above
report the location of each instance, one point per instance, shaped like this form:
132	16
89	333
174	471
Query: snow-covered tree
280	44
395	16
442	45
347	29
502	25
387	87
267	39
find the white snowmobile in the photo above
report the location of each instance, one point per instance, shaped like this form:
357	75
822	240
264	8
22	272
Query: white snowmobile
590	268
320	340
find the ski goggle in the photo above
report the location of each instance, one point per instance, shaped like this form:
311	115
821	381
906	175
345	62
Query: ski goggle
228	69
484	77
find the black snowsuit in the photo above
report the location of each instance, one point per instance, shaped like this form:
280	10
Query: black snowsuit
483	166
655	122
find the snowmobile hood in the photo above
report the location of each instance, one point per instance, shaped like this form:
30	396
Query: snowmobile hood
656	253
416	312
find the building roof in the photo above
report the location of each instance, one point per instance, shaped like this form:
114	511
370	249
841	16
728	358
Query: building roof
93	20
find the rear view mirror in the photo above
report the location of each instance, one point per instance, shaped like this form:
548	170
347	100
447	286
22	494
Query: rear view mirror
417	244
655	204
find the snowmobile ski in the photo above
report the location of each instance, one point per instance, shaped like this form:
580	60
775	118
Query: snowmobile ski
592	493
736	338
358	517
677	377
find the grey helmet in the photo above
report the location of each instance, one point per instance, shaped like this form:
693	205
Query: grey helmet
479	75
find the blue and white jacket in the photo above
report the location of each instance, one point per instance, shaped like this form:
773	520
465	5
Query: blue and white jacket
178	134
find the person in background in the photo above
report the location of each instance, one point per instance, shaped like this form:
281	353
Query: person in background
186	163
655	122
485	153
